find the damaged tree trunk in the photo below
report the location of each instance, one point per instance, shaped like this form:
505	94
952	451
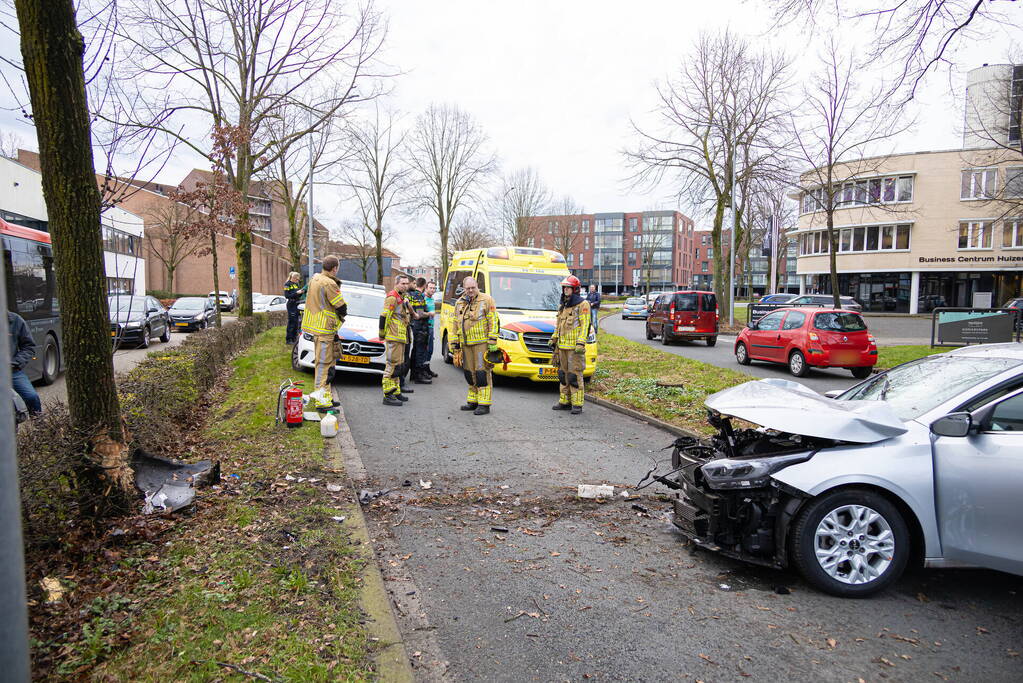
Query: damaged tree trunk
53	49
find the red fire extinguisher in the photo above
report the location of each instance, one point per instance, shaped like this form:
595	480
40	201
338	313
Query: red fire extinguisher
293	406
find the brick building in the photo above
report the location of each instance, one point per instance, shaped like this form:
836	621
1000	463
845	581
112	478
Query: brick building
751	272
621	253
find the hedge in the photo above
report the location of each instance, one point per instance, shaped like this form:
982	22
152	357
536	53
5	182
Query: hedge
159	399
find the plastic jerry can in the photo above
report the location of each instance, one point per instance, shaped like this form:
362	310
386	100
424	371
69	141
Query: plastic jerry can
328	425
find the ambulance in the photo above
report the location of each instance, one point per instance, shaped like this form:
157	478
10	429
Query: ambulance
525	283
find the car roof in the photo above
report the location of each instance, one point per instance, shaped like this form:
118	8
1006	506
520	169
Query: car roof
1012	350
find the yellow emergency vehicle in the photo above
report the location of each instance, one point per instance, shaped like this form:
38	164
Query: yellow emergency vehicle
525	284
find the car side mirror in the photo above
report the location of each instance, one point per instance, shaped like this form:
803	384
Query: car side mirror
953	424
459	291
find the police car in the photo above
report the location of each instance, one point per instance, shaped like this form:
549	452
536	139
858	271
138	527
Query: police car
361	349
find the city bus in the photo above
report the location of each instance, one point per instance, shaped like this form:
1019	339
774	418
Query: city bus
526	286
32	294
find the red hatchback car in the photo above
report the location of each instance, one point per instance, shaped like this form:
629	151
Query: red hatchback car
804	338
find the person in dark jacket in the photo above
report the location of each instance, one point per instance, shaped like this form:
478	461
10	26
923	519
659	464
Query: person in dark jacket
293	293
594	298
23	350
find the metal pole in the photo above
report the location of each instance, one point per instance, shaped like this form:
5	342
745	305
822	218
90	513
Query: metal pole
14	659
774	257
309	196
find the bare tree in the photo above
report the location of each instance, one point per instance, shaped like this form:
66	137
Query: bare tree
841	122
362	241
566	225
520	197
722	116
211	63
52	49
470	232
917	35
170	237
378	174
448	155
10	143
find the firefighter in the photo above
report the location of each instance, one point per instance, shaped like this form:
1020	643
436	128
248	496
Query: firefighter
475	326
394	331
568	345
325	311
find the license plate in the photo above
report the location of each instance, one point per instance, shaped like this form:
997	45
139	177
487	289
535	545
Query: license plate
548	372
181	324
845	356
363	360
113	333
686	328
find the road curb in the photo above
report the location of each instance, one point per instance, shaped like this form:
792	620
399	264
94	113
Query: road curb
642	417
391	659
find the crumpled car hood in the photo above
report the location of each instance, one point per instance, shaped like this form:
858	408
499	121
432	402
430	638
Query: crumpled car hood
790	407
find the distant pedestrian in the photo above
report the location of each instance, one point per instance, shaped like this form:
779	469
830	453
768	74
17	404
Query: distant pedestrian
594	299
23	350
293	293
431	289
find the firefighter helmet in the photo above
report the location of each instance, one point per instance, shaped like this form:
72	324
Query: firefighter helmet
573	282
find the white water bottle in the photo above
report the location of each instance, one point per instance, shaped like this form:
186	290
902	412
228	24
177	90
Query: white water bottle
328	425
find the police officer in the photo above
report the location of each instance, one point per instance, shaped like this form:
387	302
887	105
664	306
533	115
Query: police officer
475	326
420	331
325	311
569	345
292	292
394	330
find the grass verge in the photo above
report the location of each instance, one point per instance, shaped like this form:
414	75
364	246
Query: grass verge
669	387
260	581
890	356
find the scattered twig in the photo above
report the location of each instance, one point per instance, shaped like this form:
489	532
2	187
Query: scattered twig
538	608
400	520
235	667
521	613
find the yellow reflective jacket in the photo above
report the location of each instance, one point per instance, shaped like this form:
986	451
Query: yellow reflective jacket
573	326
396	317
475	321
324	296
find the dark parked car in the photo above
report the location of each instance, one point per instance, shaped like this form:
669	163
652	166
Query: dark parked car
635	307
777	298
193	313
137	320
687	315
848	303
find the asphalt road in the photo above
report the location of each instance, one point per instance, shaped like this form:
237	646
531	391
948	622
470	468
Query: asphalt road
124	359
578	589
722	356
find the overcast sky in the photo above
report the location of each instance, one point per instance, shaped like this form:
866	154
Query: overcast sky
554	84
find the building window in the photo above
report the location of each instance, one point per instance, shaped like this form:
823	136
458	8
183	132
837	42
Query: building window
530	242
710	252
631	256
633	224
120	285
1012	233
975	235
569	259
705	267
586	242
120	242
979	183
1014	181
880	190
586	225
867	238
582	260
1015	97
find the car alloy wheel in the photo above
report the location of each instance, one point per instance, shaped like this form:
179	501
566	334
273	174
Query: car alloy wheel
146	338
649	334
797	364
294	360
851	543
741	355
165	337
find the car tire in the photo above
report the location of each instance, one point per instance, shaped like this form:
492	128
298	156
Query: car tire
797	364
861	373
147	338
741	354
51	361
165	337
665	337
711	341
649	334
445	350
811	540
294	360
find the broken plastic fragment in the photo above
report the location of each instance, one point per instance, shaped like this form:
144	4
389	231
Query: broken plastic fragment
425	484
53	588
334	488
596	491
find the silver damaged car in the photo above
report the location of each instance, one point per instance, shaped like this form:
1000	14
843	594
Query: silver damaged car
921	464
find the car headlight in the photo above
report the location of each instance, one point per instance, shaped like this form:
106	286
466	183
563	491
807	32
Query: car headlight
729	473
198	317
508	335
133	324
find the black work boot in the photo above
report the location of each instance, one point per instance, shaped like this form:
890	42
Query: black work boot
468	406
481	410
576	410
420	377
390	400
406	390
430	371
560	406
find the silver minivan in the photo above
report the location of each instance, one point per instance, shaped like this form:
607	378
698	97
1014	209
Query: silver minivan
921	464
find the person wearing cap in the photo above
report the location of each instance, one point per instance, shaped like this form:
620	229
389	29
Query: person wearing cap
568	345
292	292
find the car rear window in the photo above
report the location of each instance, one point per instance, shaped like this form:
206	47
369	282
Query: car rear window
686	302
839	322
635	301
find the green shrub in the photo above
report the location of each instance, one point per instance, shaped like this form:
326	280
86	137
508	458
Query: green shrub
160	399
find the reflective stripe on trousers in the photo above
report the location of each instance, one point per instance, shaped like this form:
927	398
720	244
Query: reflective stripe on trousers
473	360
394	353
570	374
325	354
